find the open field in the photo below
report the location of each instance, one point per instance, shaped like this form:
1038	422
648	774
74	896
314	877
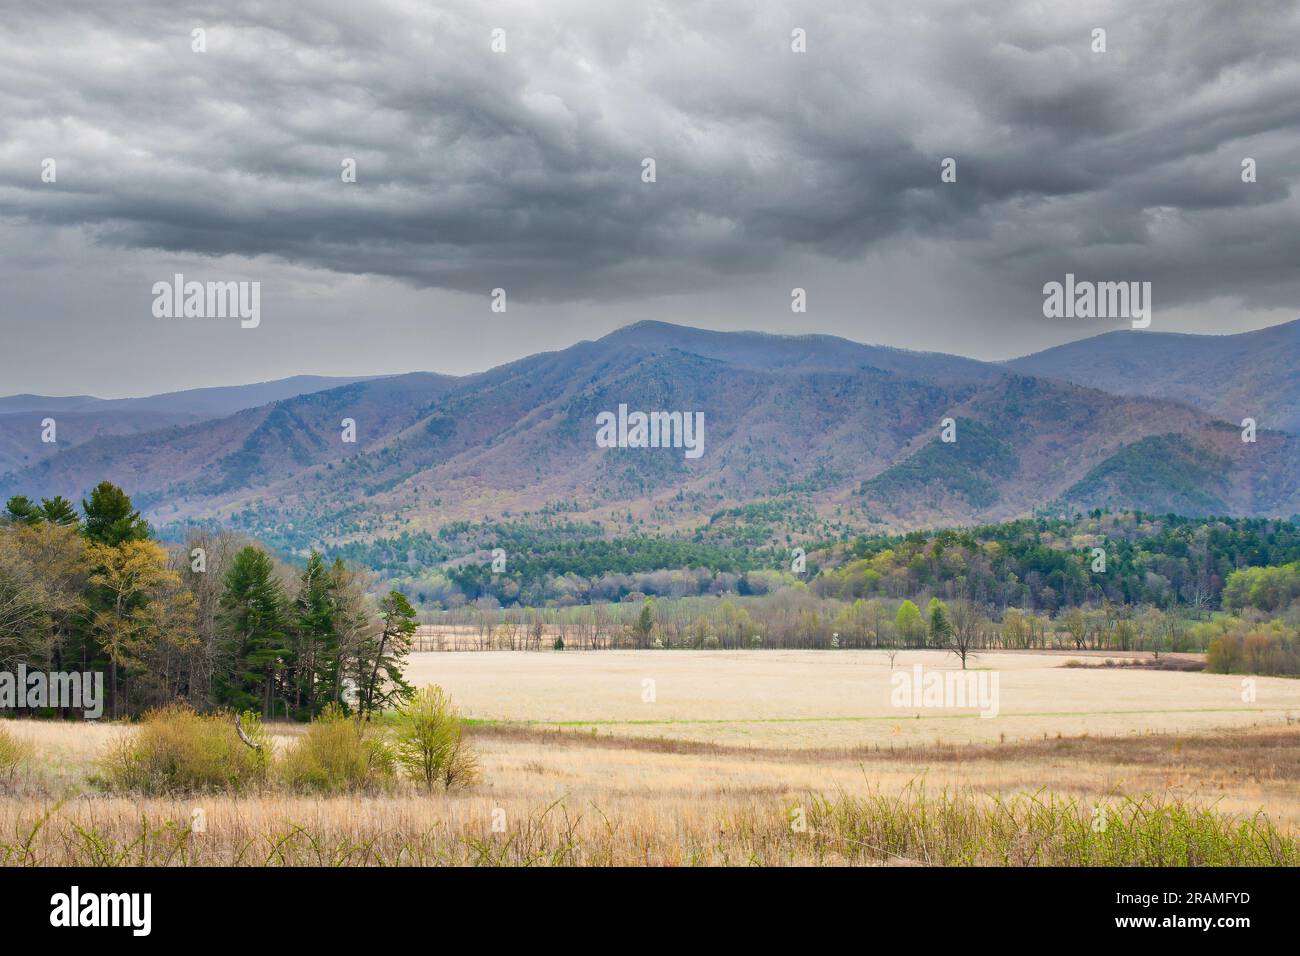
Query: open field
839	698
741	745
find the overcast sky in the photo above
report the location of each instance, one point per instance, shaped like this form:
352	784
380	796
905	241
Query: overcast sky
523	170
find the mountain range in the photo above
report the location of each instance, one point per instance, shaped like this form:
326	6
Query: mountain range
1253	374
79	418
1140	420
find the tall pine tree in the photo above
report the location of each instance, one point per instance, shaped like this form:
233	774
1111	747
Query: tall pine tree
315	660
256	624
381	658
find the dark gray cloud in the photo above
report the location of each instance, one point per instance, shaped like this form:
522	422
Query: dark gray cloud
522	169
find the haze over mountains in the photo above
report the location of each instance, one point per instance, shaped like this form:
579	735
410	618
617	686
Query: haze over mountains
1253	374
852	430
83	417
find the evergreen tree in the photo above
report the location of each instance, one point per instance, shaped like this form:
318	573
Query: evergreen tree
59	510
255	625
940	627
56	510
21	510
644	626
381	659
315	659
111	518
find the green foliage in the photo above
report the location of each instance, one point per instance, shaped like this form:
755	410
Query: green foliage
1167	472
13	752
111	518
1044	829
1045	563
937	624
175	750
909	623
338	753
379	661
550	556
644	626
20	508
57	510
969	467
108	596
429	742
255	620
1265	589
535	563
316	644
756	524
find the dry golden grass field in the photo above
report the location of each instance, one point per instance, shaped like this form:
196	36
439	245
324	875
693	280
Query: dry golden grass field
745	757
798	699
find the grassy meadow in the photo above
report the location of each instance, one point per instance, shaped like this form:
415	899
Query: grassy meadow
773	757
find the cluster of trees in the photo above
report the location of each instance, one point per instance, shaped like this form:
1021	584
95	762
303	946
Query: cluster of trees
1043	564
1254	647
92	593
557	562
1046	564
797	617
295	655
218	621
1264	589
215	622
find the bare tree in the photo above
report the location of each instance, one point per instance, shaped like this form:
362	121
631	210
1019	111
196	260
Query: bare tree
964	620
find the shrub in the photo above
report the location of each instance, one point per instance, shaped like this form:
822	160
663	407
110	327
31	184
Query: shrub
13	753
338	753
1261	651
429	742
175	750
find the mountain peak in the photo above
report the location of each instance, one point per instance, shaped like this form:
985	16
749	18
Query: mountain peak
1234	376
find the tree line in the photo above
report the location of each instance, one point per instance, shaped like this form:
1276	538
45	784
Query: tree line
797	617
1048	564
216	622
1041	564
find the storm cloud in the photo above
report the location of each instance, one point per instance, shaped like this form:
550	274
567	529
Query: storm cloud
522	169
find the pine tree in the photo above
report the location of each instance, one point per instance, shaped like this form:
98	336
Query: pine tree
56	510
111	518
59	510
940	628
644	626
255	625
315	659
21	510
381	660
